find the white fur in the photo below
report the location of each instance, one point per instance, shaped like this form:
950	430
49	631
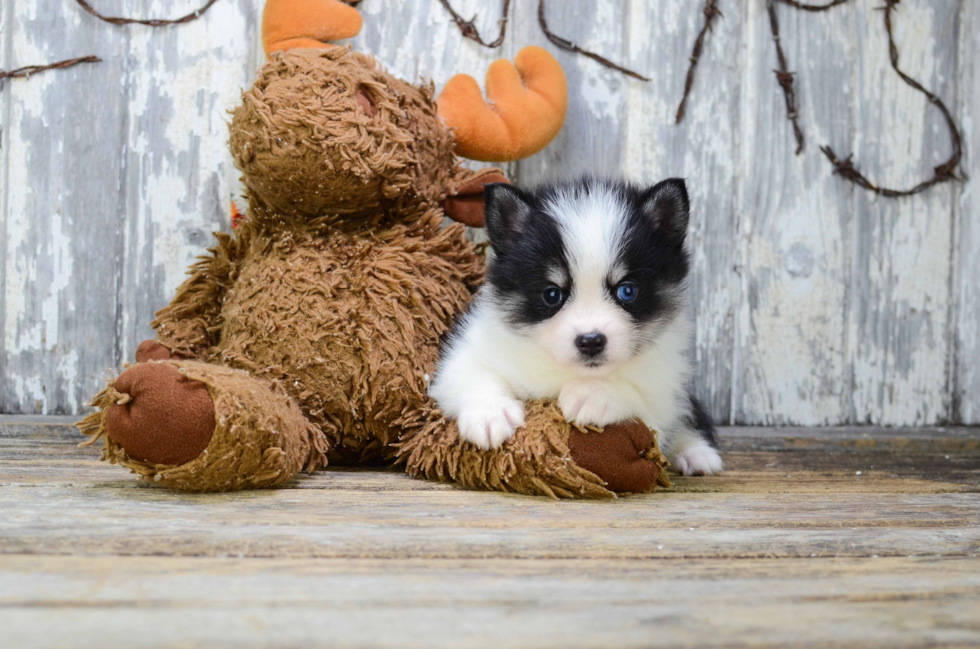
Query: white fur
491	365
697	459
592	227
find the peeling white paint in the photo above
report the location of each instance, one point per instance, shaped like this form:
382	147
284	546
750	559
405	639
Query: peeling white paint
965	326
60	258
816	303
899	358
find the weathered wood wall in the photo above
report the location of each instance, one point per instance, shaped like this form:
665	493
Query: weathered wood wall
815	301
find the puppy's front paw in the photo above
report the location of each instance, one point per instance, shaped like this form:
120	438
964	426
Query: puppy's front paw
698	459
490	424
589	403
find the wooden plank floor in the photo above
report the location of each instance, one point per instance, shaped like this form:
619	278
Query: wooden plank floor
840	536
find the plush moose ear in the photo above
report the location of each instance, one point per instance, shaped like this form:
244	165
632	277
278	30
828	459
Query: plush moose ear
667	205
466	203
525	107
508	210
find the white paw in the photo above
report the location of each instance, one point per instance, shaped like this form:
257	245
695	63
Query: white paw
491	423
698	459
590	404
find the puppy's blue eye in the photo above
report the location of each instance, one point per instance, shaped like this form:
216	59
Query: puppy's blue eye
626	292
553	296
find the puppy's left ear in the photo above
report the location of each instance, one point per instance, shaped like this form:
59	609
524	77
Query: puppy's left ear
466	202
667	205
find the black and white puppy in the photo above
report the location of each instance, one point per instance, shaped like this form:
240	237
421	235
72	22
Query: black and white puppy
585	302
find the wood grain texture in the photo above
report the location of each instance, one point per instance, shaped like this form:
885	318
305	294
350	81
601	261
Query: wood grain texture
843	536
901	250
419	41
814	302
851	494
115	174
793	217
6	46
703	149
443	524
965	323
103	601
178	178
593	138
62	240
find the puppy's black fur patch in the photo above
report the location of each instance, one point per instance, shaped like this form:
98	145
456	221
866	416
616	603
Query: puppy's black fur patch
527	243
700	421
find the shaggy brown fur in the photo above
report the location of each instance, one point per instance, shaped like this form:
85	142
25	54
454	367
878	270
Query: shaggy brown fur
261	438
315	327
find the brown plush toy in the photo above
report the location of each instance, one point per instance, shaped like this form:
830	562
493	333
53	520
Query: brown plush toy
310	334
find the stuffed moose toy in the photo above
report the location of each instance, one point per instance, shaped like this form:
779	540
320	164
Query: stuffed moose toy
310	334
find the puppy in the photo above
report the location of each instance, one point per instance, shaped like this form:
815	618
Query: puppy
585	302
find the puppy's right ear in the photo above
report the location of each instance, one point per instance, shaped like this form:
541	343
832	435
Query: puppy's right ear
667	205
507	210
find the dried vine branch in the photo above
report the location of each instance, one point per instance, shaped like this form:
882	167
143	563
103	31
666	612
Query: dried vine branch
941	173
151	22
566	44
469	30
785	77
710	12
28	70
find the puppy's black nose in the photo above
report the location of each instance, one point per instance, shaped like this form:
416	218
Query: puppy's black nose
591	344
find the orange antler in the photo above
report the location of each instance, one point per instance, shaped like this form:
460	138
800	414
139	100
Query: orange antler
288	24
524	111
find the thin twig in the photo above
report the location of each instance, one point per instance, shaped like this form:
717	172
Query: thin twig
785	77
566	44
151	22
469	30
28	70
710	11
942	173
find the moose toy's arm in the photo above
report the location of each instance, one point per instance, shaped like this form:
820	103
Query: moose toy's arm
191	323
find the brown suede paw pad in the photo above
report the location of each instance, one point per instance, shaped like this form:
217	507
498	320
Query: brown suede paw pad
162	417
616	455
151	350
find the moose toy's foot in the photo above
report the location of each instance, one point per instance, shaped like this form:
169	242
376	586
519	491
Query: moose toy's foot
161	416
624	455
193	426
546	456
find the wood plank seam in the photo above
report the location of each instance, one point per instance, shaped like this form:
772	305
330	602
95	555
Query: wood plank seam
6	56
952	360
